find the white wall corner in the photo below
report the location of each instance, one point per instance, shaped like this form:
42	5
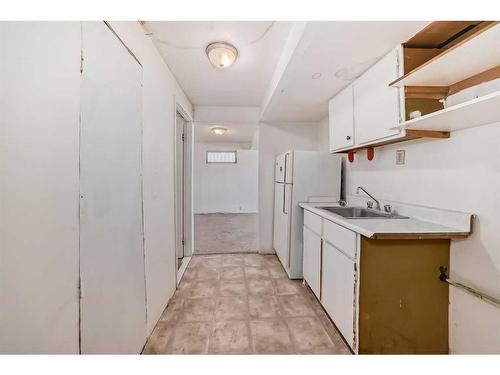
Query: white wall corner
294	37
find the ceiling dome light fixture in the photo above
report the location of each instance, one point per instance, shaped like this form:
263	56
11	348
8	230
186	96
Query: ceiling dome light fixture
221	54
316	75
219	130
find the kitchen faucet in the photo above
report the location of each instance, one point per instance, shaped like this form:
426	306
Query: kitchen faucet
371	196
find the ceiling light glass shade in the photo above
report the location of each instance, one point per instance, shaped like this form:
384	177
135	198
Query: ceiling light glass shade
221	55
219	130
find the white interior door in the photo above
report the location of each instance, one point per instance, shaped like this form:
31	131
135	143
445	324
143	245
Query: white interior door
113	309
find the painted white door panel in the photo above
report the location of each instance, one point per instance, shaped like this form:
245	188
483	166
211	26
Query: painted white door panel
337	290
113	310
312	261
376	105
341	119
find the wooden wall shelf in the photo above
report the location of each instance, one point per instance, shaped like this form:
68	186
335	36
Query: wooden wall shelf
473	60
410	135
479	111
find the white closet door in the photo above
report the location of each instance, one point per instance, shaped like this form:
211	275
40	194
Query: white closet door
113	310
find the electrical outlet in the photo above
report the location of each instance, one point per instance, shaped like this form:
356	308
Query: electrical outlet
400	157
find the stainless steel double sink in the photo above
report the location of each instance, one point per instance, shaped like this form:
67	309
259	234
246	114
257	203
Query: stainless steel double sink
361	213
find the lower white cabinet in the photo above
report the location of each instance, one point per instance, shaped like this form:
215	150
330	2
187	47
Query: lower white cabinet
338	290
312	260
376	307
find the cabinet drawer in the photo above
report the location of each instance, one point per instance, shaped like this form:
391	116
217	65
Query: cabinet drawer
340	237
313	222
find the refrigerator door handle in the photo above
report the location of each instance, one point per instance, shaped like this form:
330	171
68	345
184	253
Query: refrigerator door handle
286	169
284	185
284	199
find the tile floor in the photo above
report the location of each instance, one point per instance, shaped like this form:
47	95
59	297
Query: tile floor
243	304
225	233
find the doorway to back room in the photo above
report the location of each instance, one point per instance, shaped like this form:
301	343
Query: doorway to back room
225	174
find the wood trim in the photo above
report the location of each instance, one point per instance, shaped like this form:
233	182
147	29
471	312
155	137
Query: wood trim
411	134
426	92
457	45
476	30
437	32
486	76
419	236
442	92
414	57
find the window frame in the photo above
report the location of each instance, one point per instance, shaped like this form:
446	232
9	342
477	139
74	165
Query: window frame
235	152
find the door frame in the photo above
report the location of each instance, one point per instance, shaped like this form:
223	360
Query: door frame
187	210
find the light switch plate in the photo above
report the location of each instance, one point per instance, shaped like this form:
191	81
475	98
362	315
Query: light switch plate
400	157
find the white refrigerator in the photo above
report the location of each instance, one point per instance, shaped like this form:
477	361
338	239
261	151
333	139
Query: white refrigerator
300	176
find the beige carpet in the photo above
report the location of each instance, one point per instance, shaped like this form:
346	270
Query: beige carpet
243	304
225	233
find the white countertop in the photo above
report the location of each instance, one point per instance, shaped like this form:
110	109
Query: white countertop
388	228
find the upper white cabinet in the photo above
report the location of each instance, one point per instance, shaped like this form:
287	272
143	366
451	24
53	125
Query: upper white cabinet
341	119
376	104
368	110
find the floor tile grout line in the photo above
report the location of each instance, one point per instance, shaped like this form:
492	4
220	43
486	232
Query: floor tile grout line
274	291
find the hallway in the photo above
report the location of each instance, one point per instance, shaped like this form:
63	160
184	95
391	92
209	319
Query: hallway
223	233
242	304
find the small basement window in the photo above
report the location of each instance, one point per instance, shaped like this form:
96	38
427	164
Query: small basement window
221	157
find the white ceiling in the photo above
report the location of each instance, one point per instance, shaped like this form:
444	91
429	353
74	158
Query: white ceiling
238	133
182	45
266	73
340	51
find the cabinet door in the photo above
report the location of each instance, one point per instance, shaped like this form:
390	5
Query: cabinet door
341	119
376	105
312	260
337	290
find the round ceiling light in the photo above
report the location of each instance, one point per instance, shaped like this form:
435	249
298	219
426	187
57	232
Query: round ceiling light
221	54
219	130
316	75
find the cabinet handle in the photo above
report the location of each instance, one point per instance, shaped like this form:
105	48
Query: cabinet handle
348	137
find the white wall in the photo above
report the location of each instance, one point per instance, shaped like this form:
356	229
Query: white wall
461	173
39	196
323	135
275	139
227	114
159	96
229	188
